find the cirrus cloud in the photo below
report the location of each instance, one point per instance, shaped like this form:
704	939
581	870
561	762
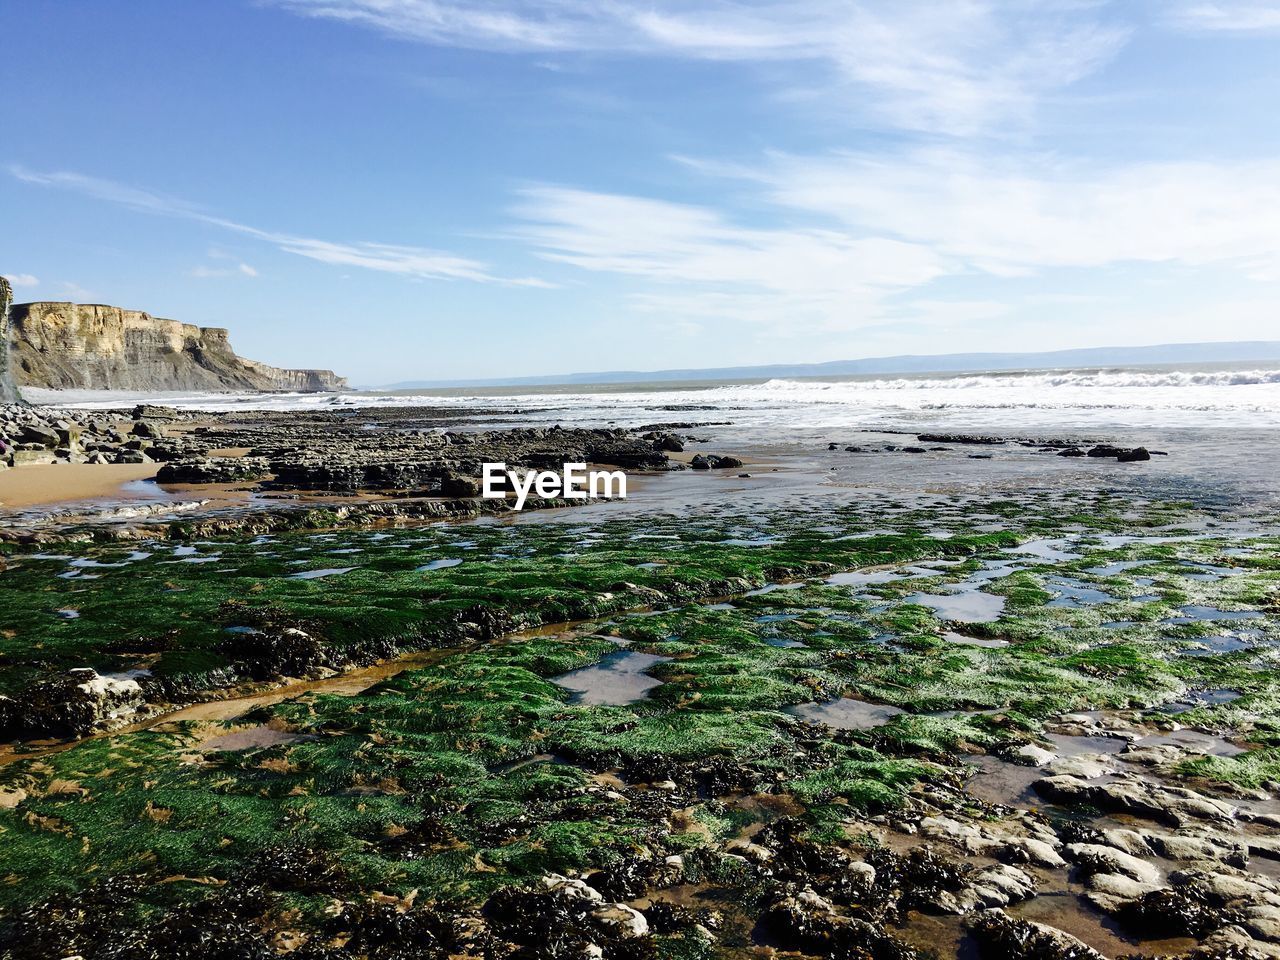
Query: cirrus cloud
417	262
955	68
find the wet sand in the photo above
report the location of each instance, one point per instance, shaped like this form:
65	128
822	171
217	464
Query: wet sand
49	483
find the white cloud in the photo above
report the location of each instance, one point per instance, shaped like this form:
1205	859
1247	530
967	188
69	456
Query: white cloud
1229	16
1014	217
697	263
417	262
865	239
76	293
206	272
944	67
23	280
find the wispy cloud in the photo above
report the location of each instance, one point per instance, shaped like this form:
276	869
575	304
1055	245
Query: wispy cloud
417	262
695	262
23	280
949	67
207	272
1229	16
863	239
74	291
1017	215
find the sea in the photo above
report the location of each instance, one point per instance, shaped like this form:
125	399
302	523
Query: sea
1217	426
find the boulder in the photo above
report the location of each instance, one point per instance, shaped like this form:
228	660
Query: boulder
1002	936
620	920
43	436
75	704
152	411
213	470
1096	858
457	485
144	428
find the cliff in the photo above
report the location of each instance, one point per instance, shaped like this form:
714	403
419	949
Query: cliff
95	347
8	389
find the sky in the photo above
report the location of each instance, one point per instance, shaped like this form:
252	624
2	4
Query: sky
435	189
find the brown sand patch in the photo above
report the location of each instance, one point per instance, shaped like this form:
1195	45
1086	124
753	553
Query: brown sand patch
44	483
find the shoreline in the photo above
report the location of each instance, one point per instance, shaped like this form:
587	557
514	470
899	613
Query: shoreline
872	689
49	484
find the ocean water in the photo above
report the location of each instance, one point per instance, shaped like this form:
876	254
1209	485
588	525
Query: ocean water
1220	424
1063	399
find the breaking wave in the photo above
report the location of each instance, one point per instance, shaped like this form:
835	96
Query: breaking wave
1032	381
1008	400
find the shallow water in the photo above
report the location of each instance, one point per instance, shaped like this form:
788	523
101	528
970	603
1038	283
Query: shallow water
1119	566
1074	594
998	781
1053	548
616	680
1196	612
441	564
970	606
317	574
1194	740
860	578
846	713
1212	646
250	739
1200	698
990	643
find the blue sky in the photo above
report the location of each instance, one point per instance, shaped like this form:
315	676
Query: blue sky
422	189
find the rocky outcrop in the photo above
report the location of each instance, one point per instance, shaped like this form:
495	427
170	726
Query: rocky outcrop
36	435
97	347
74	704
8	389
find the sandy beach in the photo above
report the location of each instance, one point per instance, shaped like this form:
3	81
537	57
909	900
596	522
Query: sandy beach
40	484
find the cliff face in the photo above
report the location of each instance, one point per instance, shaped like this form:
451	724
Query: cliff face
8	389
96	347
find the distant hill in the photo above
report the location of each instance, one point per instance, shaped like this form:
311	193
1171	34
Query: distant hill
1244	351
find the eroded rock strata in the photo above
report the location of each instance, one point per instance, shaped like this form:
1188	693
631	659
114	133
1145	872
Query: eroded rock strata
71	346
8	388
329	452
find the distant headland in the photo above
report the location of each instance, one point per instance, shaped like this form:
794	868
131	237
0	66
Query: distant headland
1239	351
70	346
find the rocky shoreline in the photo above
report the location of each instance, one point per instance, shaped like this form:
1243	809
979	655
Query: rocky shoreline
831	750
1033	727
366	466
944	442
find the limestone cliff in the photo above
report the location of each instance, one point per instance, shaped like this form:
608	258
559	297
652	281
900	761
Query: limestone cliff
95	347
8	389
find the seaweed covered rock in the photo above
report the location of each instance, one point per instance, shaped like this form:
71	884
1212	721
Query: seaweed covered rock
75	704
1160	913
99	924
213	470
434	463
711	461
811	922
565	917
1005	938
630	878
276	652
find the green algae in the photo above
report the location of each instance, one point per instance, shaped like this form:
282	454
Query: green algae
477	772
